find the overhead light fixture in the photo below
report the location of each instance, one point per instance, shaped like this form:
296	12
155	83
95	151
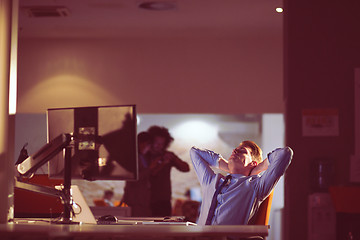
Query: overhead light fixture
279	10
158	5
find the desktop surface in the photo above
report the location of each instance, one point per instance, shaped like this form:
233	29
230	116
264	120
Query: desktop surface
41	229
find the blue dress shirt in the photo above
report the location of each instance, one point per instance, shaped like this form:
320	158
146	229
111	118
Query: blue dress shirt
238	200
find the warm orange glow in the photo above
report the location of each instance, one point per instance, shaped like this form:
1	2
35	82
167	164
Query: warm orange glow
13	58
65	91
5	23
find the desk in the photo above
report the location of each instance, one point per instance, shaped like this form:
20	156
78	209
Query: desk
32	231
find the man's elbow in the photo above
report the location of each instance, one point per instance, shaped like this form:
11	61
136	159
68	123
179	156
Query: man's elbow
193	149
287	153
193	152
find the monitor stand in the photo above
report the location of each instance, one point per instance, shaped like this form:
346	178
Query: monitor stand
64	193
67	199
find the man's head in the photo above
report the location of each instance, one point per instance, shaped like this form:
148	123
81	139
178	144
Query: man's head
256	152
161	139
245	157
108	194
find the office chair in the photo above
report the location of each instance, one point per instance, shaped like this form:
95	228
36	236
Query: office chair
261	217
99	203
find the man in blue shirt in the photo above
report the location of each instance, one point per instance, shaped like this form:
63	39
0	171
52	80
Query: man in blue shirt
252	180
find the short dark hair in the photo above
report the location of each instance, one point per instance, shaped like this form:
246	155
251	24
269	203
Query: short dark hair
157	131
256	152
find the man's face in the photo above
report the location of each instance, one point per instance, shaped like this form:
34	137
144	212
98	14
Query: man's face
158	145
240	160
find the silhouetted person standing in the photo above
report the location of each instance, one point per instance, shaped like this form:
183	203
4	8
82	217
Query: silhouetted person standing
161	162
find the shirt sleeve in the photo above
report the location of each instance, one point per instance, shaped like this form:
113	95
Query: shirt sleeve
202	161
279	160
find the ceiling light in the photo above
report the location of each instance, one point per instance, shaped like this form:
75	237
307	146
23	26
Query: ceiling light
279	10
158	5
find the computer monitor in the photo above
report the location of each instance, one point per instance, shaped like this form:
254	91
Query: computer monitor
104	145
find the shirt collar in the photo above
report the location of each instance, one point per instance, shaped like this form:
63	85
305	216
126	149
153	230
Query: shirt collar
238	175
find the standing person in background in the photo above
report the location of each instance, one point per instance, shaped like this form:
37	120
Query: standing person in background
161	162
137	193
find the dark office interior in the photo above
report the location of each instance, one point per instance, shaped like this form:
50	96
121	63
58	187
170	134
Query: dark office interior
238	58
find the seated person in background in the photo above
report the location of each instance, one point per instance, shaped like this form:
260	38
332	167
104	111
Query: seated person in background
249	182
108	198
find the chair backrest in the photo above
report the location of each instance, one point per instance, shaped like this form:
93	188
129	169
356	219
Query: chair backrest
262	215
99	203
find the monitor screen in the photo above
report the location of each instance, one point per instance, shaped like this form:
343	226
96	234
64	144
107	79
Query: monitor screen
104	143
